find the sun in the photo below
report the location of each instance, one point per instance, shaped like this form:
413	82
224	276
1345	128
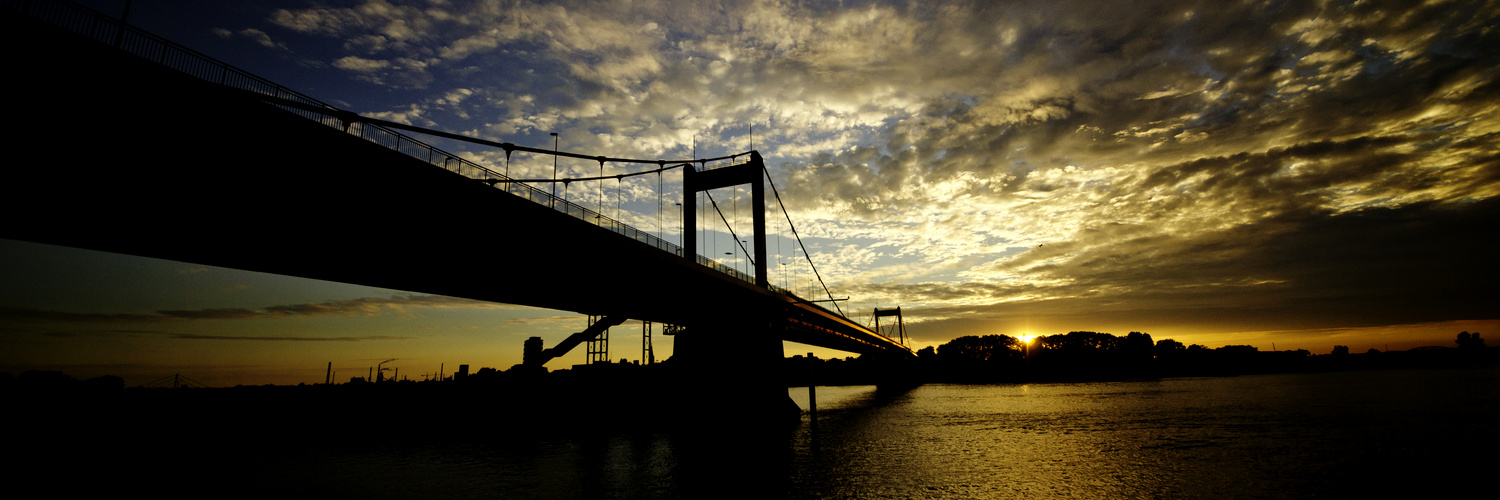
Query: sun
1026	338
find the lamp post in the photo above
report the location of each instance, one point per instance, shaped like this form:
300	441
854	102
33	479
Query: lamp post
554	170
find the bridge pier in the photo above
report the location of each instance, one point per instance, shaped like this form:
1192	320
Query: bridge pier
731	373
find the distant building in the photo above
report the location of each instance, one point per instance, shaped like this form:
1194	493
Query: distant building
531	353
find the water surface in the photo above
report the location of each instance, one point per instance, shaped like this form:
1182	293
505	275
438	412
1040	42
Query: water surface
1275	436
1333	435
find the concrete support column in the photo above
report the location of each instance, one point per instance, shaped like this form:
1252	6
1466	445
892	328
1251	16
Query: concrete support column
689	214
732	371
758	206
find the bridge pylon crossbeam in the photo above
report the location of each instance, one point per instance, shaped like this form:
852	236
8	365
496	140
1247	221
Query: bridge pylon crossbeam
750	172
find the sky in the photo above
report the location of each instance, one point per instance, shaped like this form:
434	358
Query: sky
1288	175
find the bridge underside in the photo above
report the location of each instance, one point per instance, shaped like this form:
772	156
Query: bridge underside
164	165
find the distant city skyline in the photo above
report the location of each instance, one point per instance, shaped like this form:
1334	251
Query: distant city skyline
1217	174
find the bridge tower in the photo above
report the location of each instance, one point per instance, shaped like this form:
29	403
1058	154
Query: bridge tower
694	181
732	356
900	326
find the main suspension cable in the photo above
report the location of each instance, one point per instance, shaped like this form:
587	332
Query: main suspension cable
805	253
602	177
352	117
731	228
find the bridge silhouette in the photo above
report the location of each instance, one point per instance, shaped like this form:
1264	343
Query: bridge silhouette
149	148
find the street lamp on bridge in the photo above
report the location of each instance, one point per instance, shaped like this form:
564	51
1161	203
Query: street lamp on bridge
554	169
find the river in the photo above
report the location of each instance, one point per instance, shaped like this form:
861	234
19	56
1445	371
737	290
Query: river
1325	435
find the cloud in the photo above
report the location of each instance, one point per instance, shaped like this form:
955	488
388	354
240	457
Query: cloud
360	64
1189	158
1374	266
543	320
262	38
94	333
259	37
191	336
29	314
369	306
114	333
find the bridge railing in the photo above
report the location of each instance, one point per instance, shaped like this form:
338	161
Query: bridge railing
100	27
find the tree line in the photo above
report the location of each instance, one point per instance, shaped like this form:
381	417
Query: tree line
1086	355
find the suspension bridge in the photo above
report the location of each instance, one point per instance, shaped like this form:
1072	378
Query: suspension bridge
149	148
